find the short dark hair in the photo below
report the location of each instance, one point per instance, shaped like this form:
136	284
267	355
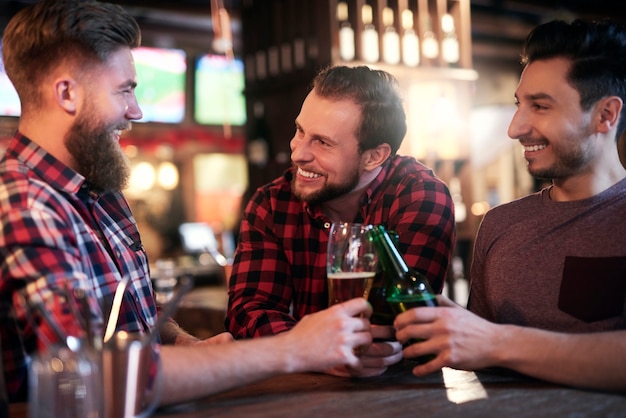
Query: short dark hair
376	92
41	36
597	52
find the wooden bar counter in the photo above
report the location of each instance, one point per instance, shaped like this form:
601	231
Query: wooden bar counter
448	393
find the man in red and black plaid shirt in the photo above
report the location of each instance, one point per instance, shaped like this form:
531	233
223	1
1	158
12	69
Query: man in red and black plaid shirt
345	168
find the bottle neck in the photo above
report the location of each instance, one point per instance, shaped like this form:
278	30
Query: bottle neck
388	254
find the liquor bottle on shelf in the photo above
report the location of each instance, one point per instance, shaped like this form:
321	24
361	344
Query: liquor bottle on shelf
405	288
391	39
346	33
410	41
430	45
449	43
369	36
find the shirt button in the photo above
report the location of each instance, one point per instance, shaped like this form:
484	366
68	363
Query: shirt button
118	254
326	225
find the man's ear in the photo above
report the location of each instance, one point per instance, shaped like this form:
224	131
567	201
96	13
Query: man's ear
66	94
610	109
375	157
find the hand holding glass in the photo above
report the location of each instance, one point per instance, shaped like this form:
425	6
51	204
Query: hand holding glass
351	262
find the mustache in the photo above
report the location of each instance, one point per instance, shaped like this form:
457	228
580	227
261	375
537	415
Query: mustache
127	126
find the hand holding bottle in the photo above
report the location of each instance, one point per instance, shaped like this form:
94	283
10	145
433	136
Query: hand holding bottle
405	288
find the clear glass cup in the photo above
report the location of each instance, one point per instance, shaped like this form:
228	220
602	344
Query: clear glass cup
165	280
131	376
66	383
350	263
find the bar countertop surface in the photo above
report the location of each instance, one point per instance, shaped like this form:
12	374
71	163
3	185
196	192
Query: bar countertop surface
448	393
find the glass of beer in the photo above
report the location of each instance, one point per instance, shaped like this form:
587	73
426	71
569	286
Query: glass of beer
350	263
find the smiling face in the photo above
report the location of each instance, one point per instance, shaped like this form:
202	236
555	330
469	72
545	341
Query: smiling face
108	108
325	149
554	130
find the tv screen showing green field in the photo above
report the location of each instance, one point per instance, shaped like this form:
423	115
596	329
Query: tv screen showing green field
219	85
161	84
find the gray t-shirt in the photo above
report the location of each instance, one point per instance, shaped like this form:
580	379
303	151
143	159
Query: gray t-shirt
558	266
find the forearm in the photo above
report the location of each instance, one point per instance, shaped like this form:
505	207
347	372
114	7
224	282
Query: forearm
582	360
318	342
190	372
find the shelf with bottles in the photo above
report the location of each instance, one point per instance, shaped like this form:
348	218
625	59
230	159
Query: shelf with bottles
411	33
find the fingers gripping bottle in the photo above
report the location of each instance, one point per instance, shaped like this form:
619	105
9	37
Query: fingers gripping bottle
404	287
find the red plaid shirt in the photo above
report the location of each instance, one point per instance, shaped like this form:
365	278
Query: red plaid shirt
279	271
56	235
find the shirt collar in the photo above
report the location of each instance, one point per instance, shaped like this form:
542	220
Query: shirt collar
376	183
45	165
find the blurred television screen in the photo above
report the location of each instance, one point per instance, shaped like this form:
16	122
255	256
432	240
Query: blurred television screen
219	91
197	237
161	74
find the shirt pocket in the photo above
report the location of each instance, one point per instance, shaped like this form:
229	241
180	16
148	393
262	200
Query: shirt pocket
593	288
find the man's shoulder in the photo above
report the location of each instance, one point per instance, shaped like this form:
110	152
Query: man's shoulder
403	165
524	206
19	185
13	171
503	218
412	174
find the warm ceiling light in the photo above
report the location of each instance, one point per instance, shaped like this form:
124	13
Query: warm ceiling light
167	175
142	177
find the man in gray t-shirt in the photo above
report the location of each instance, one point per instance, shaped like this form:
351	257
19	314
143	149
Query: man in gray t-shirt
548	279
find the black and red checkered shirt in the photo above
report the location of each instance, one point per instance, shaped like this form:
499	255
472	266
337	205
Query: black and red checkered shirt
279	271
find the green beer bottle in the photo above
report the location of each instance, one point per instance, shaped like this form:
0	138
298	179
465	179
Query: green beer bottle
405	288
382	313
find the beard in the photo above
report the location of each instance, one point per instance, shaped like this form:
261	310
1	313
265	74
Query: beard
571	158
565	167
328	191
97	154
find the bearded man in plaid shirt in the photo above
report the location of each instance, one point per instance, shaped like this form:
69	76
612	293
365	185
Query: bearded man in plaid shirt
344	168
